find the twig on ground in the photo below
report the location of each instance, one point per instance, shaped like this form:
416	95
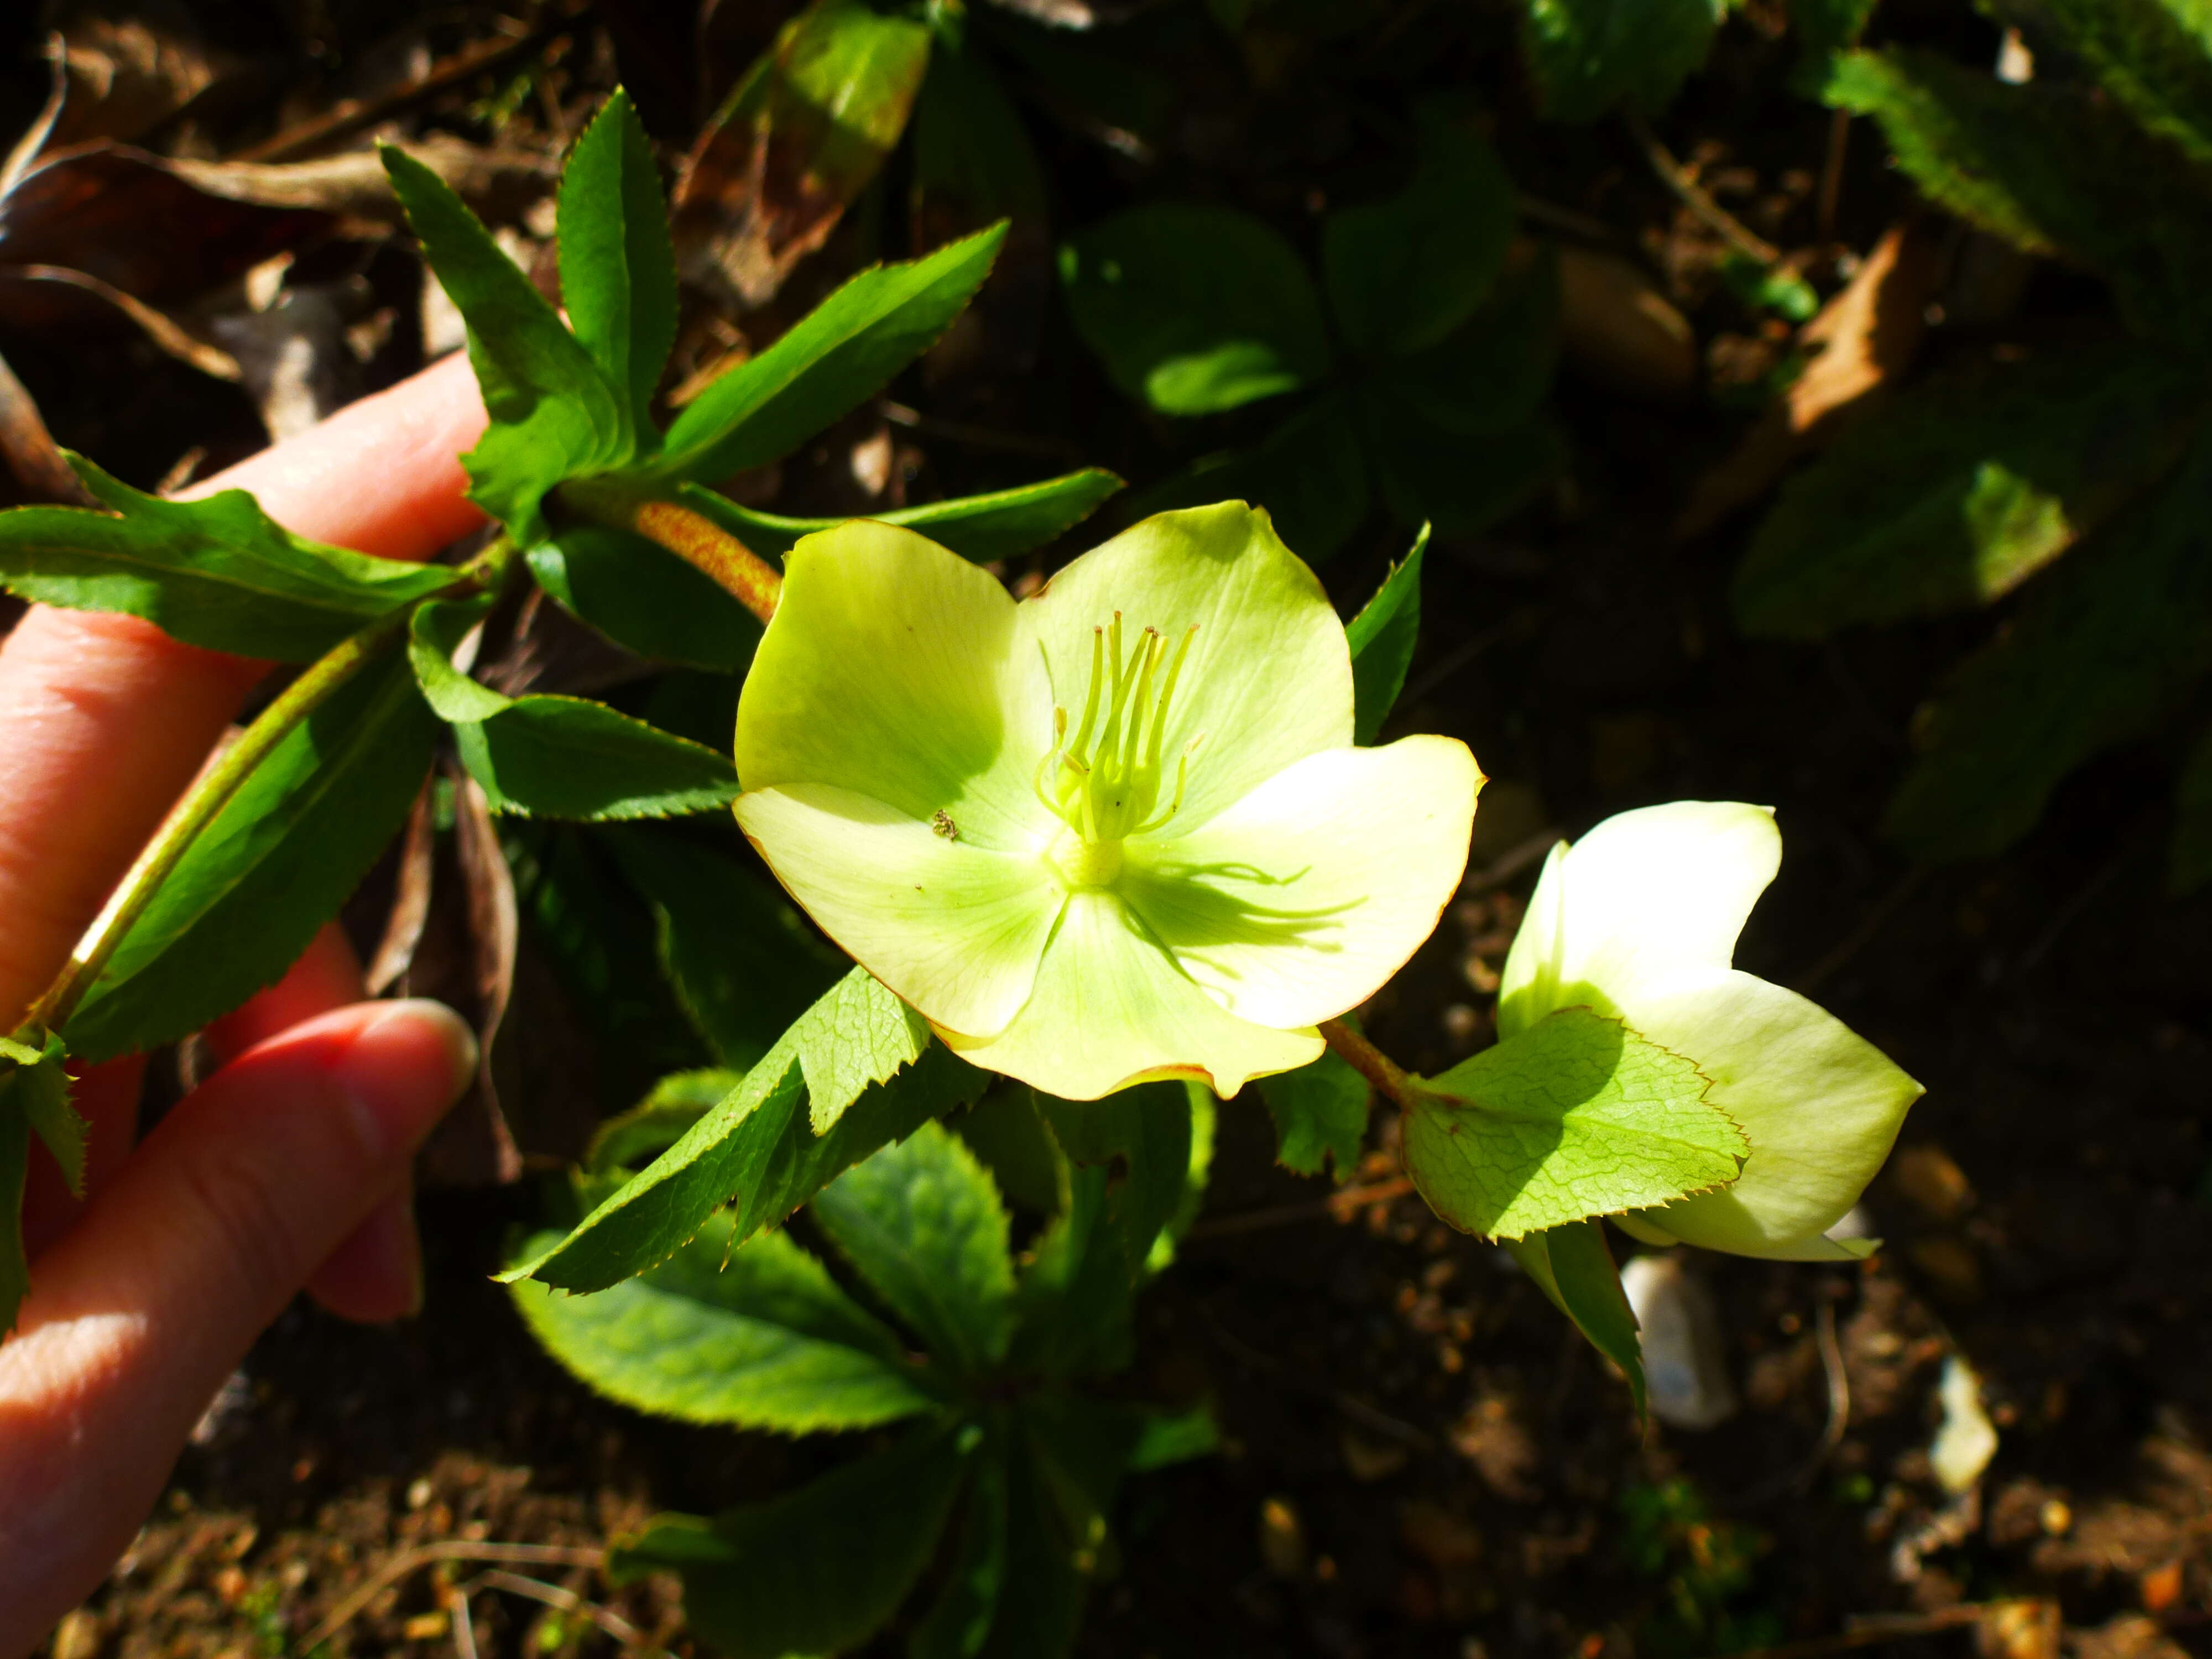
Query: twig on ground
465	1626
1694	196
400	1567
1340	1206
566	1600
1832	175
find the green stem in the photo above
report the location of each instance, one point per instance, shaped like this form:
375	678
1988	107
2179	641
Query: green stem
213	790
701	543
1390	1078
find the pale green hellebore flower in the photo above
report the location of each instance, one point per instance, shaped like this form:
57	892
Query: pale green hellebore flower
1115	832
1639	919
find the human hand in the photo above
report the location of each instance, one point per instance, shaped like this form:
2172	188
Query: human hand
289	1166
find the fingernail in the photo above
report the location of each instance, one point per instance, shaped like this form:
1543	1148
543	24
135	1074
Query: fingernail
409	1063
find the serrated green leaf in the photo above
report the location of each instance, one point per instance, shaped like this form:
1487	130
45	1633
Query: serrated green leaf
634	1138
760	1338
1589	56
2051	168
1576	1116
1382	637
617	266
856	1072
1144	1133
2097	649
997	526
39	1086
2154	56
743	964
1489	375
1194	310
565	758
217	573
1309	473
1824	27
644	598
922	1223
2191	864
15	1169
554	415
1964	488
275	865
1321	1114
819	1569
1072	1299
959	1623
842	352
1573	1267
1402	273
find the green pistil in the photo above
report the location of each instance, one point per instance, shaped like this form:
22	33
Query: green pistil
1106	781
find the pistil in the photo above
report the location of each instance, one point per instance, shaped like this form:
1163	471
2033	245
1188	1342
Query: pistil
1105	782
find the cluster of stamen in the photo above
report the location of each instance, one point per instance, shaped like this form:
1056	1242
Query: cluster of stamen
1105	781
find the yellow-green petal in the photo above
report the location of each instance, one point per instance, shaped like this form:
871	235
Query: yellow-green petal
955	929
1110	1009
892	668
1268	680
1643	900
1301	899
1820	1105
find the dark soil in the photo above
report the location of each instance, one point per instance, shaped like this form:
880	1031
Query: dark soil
1421	1458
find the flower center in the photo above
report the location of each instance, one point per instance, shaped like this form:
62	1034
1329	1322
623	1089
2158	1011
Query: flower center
1105	782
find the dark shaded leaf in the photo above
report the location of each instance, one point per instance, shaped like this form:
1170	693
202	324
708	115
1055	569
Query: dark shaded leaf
973	161
1144	1133
1382	637
217	573
274	865
1431	473
677	1100
2154	56
643	597
1193	309
1589	55
1320	1116
1404	272
2192	863
1310	474
15	1170
819	1569
959	1622
743	962
761	1338
856	1072
1964	488
2097	648
997	526
618	270
1575	1268
922	1223
1489	375
843	351
1072	1302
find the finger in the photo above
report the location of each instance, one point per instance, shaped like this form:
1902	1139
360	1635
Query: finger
377	1272
144	1307
108	719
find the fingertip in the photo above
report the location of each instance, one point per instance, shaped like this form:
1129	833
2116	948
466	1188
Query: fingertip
409	1062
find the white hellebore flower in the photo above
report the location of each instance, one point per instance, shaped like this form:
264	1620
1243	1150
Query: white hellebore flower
1640	919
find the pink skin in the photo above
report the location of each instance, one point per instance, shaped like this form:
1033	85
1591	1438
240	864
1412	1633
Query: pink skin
289	1167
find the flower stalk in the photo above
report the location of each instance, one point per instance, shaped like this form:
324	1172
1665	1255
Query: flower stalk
1388	1078
692	536
215	787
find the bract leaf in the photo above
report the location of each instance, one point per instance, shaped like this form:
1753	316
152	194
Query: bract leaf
1964	488
1193	309
2097	649
642	596
217	573
922	1223
15	1169
1404	272
817	1570
743	963
39	1087
554	415
1589	55
275	865
566	757
760	1338
843	351
2052	168
997	526
1320	1116
1382	637
1576	1116
617	267
1574	1269
856	1072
